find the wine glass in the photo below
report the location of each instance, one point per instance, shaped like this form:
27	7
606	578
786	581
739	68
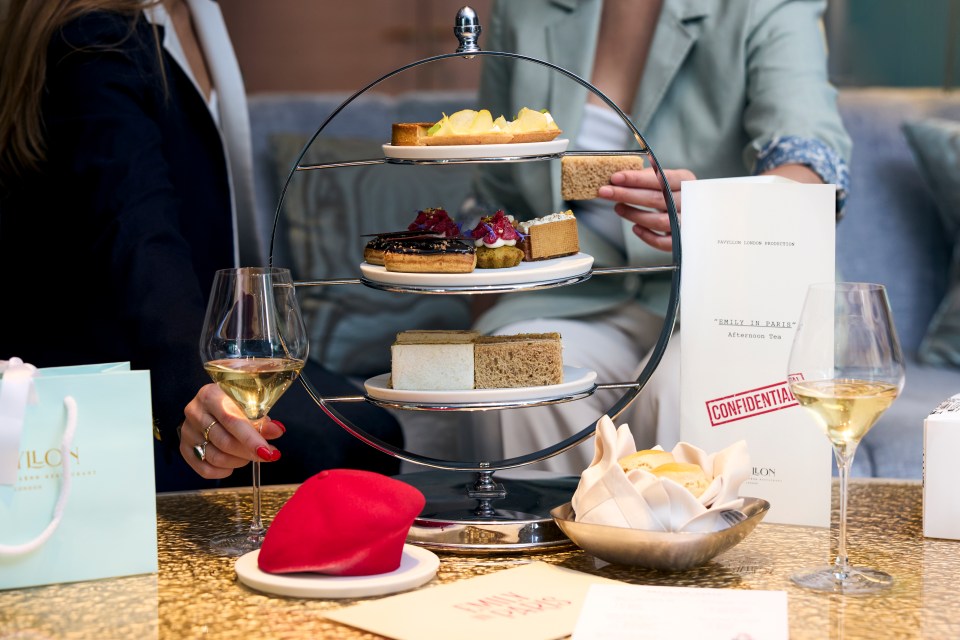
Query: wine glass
254	346
846	368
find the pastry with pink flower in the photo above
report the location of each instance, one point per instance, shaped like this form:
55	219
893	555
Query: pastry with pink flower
495	238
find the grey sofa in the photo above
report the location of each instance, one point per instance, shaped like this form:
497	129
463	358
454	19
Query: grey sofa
891	234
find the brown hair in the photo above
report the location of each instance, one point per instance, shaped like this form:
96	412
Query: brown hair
25	33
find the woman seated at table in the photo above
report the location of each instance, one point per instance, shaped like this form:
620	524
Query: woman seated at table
126	172
718	90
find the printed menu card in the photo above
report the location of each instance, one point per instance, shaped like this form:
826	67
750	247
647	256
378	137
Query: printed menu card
641	612
536	601
751	247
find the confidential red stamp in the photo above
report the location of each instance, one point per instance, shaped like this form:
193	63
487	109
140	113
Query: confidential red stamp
747	404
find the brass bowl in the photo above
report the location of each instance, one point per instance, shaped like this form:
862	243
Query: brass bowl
657	549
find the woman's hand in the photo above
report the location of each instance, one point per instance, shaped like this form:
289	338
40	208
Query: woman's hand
632	189
231	440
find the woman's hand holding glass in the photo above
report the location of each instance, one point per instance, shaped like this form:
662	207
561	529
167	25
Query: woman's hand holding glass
253	346
228	440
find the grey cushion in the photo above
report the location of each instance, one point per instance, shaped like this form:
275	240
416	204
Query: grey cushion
893	448
367	117
935	144
323	219
891	233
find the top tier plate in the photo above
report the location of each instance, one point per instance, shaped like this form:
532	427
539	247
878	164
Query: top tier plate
467	151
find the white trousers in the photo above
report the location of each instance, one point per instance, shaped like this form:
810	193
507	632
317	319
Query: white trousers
616	345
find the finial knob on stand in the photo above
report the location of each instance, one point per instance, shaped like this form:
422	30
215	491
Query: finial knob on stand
467	29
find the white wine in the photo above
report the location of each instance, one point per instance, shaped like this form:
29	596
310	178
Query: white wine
846	408
254	383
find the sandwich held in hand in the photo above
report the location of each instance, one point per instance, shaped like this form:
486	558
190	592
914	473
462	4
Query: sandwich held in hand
471	127
685	489
342	522
581	176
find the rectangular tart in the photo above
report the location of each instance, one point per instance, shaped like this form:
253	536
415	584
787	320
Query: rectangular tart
549	236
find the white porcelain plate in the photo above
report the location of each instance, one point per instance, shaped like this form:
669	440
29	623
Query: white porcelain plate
575	380
417	567
523	273
473	151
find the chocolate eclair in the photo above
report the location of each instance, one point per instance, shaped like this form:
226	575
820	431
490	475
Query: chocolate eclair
373	251
429	255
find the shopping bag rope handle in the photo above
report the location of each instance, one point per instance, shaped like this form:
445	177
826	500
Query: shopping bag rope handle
20	549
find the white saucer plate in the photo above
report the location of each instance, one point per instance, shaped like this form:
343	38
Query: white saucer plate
473	151
575	380
523	273
417	567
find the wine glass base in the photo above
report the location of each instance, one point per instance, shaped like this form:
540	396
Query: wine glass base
853	581
237	544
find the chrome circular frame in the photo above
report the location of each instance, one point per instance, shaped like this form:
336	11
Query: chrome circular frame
631	391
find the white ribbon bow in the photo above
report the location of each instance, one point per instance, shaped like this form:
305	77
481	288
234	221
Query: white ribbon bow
17	389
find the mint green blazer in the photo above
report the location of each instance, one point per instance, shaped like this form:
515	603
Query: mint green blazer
722	79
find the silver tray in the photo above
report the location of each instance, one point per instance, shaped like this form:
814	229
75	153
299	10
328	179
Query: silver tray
657	549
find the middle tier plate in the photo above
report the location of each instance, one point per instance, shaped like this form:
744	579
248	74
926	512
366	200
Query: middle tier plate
575	380
523	273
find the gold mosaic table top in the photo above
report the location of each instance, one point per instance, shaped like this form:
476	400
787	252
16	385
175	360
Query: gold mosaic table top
196	594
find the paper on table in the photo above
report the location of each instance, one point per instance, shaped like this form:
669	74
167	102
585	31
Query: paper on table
640	500
639	612
537	601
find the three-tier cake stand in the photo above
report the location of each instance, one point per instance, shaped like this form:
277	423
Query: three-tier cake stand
468	509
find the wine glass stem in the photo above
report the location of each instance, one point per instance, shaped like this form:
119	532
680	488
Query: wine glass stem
844	456
256	526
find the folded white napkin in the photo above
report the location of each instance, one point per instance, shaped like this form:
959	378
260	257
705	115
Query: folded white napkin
640	500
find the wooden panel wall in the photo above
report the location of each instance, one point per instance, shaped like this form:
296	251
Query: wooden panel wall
331	45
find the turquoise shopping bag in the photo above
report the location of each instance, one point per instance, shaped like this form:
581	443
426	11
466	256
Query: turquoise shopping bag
77	496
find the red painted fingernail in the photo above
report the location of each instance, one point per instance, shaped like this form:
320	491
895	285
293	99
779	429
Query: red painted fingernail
276	455
265	454
279	424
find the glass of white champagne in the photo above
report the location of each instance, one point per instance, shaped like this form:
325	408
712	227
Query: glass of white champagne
846	368
254	346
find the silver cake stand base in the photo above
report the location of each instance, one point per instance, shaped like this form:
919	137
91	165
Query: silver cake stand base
479	514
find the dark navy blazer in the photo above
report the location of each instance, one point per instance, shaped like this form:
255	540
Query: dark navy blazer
130	217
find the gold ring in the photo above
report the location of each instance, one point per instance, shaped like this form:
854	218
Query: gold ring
206	432
200	450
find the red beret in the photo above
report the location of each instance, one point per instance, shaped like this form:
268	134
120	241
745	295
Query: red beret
342	522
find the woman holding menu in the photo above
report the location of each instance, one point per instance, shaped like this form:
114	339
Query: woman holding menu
126	173
717	89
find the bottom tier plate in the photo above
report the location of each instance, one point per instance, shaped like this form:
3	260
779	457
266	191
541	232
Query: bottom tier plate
575	380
